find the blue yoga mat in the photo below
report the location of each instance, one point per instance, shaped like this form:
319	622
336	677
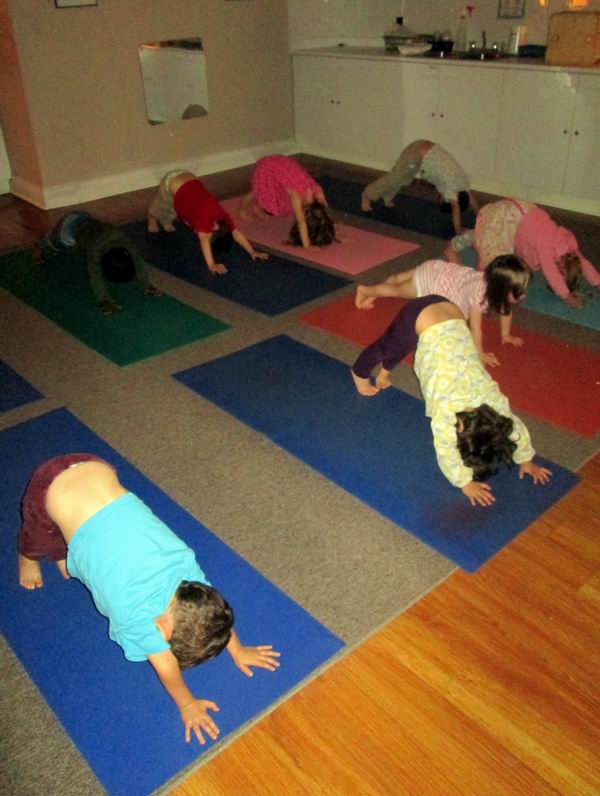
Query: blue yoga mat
14	390
380	449
271	287
409	212
541	299
116	712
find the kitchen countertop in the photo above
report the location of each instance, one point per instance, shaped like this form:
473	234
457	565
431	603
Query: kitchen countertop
380	54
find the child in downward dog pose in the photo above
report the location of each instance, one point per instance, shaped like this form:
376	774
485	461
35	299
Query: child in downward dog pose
282	187
109	255
503	284
474	430
430	162
182	195
509	226
143	578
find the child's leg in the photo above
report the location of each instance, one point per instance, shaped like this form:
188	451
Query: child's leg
398	341
39	537
162	209
402	173
400	285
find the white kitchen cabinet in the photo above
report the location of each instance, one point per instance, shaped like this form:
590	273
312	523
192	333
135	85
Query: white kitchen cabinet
582	173
535	127
342	108
531	131
452	105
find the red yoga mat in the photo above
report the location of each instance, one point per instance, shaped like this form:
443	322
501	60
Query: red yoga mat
360	250
553	381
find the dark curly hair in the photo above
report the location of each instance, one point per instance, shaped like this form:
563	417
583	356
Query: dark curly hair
320	226
202	622
570	267
484	442
117	265
221	239
505	274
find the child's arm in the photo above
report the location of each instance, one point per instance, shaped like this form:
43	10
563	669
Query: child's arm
193	712
298	209
505	335
589	272
475	326
473	202
478	492
244	657
243	241
456	217
214	268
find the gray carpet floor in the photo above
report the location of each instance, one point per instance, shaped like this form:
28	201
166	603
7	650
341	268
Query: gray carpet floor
349	567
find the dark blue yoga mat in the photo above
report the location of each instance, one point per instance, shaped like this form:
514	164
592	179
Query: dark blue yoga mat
409	212
14	390
380	449
116	712
271	287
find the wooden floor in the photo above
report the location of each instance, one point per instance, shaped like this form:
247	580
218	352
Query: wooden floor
489	685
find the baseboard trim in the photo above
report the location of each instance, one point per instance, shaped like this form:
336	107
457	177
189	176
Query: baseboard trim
99	187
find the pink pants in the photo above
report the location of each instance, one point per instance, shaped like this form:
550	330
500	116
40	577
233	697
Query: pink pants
39	536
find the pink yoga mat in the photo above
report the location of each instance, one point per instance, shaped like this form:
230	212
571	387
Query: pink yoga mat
554	381
360	251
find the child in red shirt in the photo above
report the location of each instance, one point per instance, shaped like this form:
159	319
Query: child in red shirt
182	195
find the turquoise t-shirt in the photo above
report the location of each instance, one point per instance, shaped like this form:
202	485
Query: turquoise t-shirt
132	563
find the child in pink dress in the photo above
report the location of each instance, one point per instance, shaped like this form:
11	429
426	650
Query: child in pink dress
282	187
503	284
509	226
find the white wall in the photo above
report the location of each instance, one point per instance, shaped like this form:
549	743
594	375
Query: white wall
315	23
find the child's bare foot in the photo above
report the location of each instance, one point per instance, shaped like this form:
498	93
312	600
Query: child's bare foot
363	301
30	573
62	568
388	202
169	228
152	224
365	203
364	386
383	380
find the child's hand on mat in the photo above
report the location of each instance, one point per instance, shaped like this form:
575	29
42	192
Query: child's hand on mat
107	307
573	300
479	493
195	717
152	291
540	475
490	359
217	268
259	256
264	657
508	339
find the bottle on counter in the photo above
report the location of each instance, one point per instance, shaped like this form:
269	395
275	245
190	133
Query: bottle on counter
461	36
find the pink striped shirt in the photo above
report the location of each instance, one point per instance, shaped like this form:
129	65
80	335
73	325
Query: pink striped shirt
463	286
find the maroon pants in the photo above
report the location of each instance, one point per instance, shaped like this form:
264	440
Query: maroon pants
39	536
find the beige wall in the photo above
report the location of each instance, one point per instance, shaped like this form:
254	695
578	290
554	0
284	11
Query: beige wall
80	88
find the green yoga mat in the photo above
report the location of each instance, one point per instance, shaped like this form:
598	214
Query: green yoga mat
145	327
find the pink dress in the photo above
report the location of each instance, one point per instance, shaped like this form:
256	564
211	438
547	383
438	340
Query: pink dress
273	177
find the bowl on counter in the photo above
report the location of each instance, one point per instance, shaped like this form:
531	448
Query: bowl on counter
406	45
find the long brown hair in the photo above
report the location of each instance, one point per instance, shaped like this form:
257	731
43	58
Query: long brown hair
319	224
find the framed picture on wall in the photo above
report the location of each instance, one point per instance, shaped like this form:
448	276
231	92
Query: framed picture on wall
74	3
511	9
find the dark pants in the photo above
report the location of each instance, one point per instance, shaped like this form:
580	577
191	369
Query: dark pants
398	341
39	536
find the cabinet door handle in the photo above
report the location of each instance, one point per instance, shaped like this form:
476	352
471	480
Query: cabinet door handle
433	114
565	132
441	115
576	132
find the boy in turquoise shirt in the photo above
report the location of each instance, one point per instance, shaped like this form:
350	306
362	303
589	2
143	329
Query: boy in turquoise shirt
142	577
